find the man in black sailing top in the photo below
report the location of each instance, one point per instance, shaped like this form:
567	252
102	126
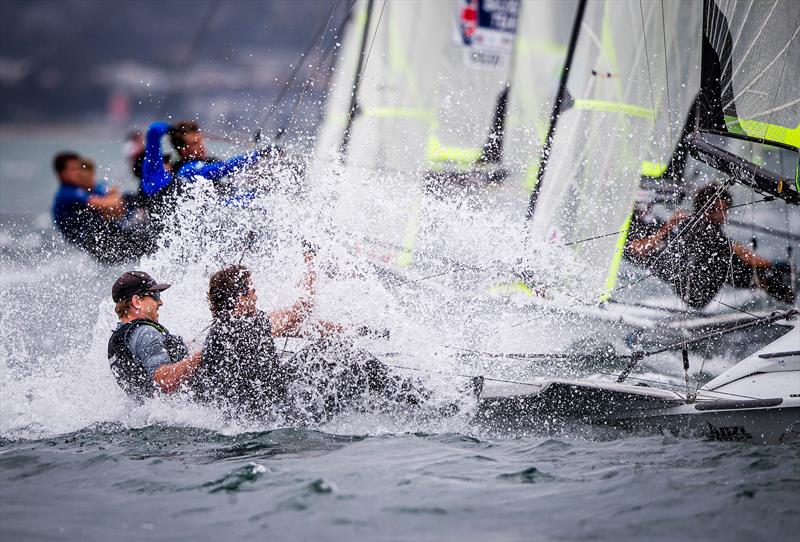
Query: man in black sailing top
241	369
692	253
146	358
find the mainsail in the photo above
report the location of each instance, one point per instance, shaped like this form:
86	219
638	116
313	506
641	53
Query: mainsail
540	49
630	87
750	70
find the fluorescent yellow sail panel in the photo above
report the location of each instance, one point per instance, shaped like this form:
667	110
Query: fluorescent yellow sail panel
762	130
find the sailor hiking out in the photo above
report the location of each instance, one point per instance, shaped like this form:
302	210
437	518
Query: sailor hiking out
693	255
94	216
162	185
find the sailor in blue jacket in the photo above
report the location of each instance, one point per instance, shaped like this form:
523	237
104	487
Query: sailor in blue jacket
92	215
160	186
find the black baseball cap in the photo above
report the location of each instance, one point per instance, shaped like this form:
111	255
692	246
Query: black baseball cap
135	283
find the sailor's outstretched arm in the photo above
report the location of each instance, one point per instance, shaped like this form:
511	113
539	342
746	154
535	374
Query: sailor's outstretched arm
287	322
154	176
647	246
216	170
111	205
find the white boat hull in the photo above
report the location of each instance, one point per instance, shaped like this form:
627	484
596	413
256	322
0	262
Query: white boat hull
560	405
762	425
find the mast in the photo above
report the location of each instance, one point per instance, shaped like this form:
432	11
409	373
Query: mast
560	98
356	84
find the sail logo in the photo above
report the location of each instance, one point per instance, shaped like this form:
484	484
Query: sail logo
468	21
486	28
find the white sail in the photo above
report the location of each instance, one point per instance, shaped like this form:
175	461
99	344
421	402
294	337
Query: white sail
634	76
432	76
423	92
540	50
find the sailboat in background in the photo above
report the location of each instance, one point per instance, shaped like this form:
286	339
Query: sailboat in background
750	59
415	112
423	101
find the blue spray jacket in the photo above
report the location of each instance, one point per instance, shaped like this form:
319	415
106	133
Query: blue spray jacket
155	178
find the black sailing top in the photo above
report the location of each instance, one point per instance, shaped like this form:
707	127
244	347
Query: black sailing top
240	365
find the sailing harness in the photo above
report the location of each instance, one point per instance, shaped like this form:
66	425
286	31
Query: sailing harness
131	374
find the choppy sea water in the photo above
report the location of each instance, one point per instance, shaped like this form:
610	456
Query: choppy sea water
165	483
78	461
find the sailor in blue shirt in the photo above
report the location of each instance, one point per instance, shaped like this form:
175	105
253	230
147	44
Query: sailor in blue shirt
160	186
88	213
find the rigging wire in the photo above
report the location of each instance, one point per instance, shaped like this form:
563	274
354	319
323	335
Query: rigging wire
666	72
540	384
676	385
460	375
191	52
309	80
292	78
772	318
594	238
765	200
601	236
647	58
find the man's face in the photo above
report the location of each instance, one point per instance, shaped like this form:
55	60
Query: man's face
247	302
86	177
718	213
148	306
72	173
195	147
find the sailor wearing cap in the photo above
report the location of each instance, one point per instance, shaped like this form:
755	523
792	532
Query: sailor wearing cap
144	356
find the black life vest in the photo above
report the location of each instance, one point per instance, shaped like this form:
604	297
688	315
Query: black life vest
240	363
130	374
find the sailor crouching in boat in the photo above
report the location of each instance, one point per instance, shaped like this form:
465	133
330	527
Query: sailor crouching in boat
144	356
242	371
94	216
239	368
692	253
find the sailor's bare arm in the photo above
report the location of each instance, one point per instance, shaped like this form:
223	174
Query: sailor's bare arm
170	376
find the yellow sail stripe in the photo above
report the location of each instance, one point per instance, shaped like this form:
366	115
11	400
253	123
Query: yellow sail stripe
398	112
463	156
508	288
616	107
762	130
616	260
653	169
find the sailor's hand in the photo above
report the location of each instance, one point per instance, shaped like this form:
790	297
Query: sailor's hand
160	127
309	248
268	152
679	216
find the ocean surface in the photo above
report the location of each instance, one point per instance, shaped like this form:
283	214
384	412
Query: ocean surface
79	461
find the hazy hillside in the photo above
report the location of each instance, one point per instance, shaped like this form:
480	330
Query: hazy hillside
78	60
